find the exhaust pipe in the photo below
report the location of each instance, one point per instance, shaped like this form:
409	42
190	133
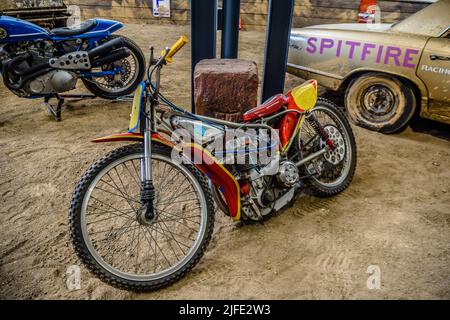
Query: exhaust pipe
31	70
114	56
24	80
105	48
106	53
27	75
7	65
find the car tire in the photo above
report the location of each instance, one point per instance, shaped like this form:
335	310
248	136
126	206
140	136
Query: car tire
380	102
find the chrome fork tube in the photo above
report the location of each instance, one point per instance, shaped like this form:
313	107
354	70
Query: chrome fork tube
150	127
147	188
147	151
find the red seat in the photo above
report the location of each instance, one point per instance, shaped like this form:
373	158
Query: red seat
267	108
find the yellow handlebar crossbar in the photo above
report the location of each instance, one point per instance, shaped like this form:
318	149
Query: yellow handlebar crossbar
176	47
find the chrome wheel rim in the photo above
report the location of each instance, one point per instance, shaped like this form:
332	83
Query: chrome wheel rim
378	103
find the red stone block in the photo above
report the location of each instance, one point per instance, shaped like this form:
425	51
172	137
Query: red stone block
225	88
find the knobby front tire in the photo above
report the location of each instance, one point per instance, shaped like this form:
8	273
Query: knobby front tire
138	270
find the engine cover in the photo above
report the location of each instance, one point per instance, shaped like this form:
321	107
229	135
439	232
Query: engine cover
288	174
56	81
72	61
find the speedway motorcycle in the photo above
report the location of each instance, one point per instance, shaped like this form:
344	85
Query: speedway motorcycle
142	216
36	63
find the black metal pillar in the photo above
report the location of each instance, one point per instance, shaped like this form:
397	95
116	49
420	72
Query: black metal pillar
230	31
279	23
204	30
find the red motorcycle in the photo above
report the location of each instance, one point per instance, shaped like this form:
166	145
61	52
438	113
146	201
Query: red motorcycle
142	216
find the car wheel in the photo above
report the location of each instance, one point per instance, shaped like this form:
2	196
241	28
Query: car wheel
380	102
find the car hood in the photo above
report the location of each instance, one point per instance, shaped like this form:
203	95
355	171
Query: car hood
351	27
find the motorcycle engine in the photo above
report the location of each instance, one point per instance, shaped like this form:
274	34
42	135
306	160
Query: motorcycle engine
19	60
271	188
55	81
266	186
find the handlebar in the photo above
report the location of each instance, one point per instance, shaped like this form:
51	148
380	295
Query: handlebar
175	48
166	57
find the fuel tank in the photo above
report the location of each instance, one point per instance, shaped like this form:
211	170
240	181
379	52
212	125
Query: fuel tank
14	30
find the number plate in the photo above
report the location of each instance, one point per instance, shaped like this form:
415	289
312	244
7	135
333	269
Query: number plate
136	109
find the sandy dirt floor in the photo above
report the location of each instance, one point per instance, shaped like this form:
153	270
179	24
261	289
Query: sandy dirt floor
396	213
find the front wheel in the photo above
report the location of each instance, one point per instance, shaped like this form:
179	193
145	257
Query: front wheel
116	241
333	172
132	71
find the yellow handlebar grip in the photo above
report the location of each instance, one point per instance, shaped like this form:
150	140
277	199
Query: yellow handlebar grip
176	47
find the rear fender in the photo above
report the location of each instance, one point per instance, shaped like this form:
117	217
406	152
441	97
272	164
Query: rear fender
103	29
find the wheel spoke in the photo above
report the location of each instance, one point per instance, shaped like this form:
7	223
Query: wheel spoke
175	195
131	175
157	223
159	248
108	218
118	195
126	196
108	205
173	215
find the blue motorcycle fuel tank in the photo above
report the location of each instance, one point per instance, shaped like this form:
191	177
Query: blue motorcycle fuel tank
14	30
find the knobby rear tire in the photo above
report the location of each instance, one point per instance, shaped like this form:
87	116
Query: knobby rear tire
140	64
318	189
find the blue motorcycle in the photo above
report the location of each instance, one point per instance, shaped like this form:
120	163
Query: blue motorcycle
37	63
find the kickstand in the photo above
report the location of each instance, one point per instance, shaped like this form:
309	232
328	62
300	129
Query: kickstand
55	111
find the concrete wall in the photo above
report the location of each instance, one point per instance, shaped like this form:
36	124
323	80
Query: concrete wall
253	12
132	10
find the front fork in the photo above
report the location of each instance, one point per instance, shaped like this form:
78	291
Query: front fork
147	188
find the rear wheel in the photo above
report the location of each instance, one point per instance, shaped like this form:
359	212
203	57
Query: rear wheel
380	102
333	172
116	241
124	83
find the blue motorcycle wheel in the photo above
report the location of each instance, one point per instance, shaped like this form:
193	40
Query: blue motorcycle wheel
125	83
